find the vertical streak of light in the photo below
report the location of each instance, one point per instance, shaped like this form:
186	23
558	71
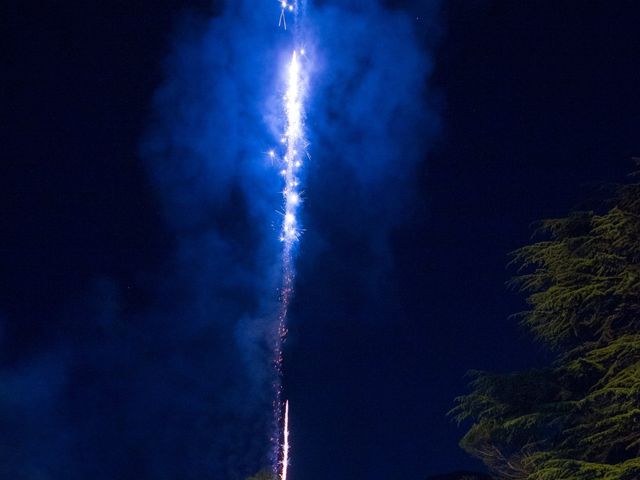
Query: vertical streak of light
285	443
294	145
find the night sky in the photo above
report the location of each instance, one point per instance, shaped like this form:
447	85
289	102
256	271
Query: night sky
135	280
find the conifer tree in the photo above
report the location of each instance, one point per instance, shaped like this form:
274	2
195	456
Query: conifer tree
579	418
263	475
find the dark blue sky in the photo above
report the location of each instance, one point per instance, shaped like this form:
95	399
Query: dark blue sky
108	365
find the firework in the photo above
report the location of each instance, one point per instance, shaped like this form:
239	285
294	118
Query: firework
294	145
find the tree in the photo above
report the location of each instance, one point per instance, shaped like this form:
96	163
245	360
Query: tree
263	475
579	418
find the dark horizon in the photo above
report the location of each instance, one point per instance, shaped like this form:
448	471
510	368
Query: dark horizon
111	361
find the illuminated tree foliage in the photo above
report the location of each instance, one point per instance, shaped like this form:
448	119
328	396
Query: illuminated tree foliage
580	417
263	475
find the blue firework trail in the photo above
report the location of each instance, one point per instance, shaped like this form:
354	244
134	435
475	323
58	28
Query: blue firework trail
294	148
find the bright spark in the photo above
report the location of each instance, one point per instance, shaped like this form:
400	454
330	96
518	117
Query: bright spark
284	7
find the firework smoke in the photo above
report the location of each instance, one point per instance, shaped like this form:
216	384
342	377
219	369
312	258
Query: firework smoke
195	336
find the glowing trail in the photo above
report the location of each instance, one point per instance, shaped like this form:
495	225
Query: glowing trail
294	139
283	18
285	443
295	143
294	152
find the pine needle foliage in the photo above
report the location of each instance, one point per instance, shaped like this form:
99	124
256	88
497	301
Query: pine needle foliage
263	475
579	418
